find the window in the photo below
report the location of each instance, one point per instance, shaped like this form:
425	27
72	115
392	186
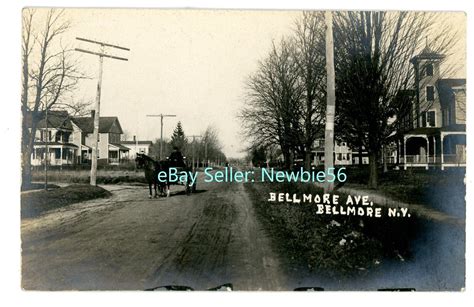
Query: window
431	119
114	138
339	156
57	153
428	119
429	93
46	135
423	119
429	69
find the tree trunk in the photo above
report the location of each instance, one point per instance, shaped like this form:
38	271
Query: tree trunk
26	168
286	157
26	150
307	160
373	176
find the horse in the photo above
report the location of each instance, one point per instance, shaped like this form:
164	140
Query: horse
152	168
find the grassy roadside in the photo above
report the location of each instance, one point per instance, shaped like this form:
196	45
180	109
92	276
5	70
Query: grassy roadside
82	176
104	176
436	189
329	244
35	203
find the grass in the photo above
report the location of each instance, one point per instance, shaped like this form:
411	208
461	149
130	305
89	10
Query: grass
328	244
104	176
38	186
83	176
440	190
35	203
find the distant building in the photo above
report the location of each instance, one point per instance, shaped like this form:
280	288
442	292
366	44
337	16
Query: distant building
343	154
136	146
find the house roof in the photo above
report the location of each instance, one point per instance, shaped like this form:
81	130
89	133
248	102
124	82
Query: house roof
445	89
136	142
427	53
41	143
436	130
56	119
451	82
107	124
119	146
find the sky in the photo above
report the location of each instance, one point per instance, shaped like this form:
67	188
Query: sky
190	63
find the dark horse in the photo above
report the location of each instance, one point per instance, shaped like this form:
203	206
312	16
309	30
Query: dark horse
152	168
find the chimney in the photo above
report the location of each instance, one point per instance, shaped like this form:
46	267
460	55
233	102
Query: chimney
92	114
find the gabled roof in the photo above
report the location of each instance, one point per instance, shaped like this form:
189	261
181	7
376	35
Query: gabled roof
56	119
108	124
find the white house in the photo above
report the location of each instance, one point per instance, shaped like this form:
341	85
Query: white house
54	139
343	154
135	147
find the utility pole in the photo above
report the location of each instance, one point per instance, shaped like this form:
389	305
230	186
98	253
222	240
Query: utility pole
136	150
205	153
161	130
192	145
331	101
46	150
101	55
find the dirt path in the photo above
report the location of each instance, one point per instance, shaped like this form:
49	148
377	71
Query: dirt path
131	242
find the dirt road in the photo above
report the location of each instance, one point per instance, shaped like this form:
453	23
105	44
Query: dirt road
131	242
213	237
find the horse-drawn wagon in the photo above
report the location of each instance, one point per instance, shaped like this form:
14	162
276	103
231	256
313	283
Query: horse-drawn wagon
157	174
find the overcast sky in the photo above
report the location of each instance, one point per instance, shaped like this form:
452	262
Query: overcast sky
192	63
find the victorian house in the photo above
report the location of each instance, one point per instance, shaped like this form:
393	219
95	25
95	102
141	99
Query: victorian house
433	131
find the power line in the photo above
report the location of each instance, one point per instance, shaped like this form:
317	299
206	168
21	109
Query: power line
101	55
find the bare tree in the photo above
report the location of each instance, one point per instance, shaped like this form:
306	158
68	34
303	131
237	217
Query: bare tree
373	52
272	113
286	96
209	147
49	73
